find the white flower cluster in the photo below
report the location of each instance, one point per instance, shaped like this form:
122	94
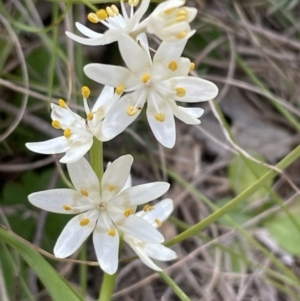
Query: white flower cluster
108	209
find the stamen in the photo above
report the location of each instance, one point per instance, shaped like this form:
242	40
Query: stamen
84	222
173	65
62	103
111	232
67	207
128	212
192	67
169	11
158	221
115	10
90	116
93	18
181	35
111	188
84	192
110	12
148	208
180	92
102	14
131	111
85	91
120	89
133	2
146	77
182	12
181	18
67	133
160	117
56	124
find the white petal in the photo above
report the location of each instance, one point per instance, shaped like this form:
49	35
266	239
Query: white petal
88	32
162	210
73	235
54	200
110	75
141	194
197	89
135	57
117	118
106	246
53	146
66	117
128	183
139	249
143	41
116	176
137	227
164	131
160	252
83	177
75	153
162	7
106	94
186	115
138	13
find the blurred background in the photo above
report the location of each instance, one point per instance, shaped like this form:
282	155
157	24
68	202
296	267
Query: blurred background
250	50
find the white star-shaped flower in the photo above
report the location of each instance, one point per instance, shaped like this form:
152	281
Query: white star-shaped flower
161	83
103	208
154	215
117	24
170	21
78	133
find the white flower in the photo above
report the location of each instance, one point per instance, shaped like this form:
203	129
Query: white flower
161	83
78	132
170	22
116	23
102	208
154	215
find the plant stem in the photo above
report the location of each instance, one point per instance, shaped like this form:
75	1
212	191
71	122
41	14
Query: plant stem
83	270
107	287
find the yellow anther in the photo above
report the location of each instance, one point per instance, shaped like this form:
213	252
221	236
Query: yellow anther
92	17
146	77
181	35
84	192
111	232
182	12
62	103
192	66
111	188
56	124
173	65
128	212
160	117
148	208
133	2
90	116
102	14
110	12
131	111
158	221
67	133
169	11
67	207
120	89
180	92
115	10
84	222
85	91
181	18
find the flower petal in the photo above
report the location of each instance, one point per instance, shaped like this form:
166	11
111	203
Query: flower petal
109	75
160	252
77	152
66	117
106	246
53	146
84	178
137	227
164	131
88	32
115	176
73	235
65	201
106	94
140	194
186	115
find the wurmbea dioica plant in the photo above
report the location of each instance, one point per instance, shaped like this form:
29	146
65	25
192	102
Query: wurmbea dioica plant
104	203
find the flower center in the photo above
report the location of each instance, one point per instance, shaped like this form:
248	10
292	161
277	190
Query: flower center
102	206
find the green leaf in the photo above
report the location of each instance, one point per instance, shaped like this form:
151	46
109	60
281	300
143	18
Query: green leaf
244	172
57	287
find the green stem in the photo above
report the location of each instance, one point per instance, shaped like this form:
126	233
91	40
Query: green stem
107	287
176	289
291	157
83	270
